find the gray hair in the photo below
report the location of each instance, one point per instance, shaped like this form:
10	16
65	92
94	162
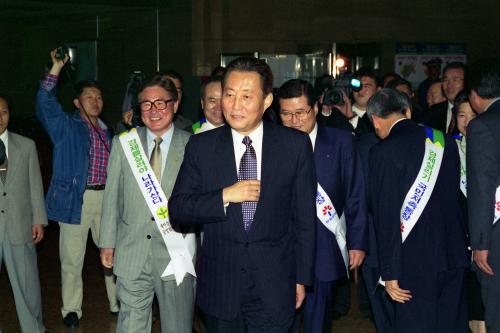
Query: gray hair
386	102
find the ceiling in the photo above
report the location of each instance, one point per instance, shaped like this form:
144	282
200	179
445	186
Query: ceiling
16	9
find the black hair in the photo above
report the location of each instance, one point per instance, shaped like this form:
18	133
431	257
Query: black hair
249	64
81	85
159	81
367	72
212	79
171	73
296	88
454	65
394	83
484	78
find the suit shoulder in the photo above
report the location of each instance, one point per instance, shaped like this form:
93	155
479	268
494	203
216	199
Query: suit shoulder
23	140
182	134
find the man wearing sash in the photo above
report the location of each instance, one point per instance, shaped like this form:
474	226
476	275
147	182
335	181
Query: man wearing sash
483	184
254	194
147	255
211	93
341	223
415	198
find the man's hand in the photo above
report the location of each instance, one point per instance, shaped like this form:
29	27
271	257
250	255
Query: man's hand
37	233
127	117
107	257
244	190
300	294
346	109
356	258
57	64
396	293
481	259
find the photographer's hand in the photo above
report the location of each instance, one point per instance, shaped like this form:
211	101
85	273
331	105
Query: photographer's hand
57	64
346	109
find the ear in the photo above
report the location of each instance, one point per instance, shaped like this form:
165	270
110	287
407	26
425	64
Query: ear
315	108
176	106
202	104
376	121
76	103
268	100
408	113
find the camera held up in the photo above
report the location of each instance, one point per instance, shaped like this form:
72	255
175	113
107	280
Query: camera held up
333	95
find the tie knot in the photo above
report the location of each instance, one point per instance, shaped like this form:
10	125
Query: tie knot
247	141
158	140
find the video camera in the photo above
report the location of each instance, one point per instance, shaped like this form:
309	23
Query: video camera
61	52
333	94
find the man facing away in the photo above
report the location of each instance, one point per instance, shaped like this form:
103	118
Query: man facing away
256	202
136	238
483	180
341	224
22	218
81	148
414	189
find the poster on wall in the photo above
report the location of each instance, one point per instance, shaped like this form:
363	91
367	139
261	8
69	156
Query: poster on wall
411	58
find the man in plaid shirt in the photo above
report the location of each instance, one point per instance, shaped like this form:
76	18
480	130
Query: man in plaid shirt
82	143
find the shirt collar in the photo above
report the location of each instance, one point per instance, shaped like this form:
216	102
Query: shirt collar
313	135
358	111
493	101
254	136
167	136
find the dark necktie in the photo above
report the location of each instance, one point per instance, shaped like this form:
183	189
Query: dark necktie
3	171
248	170
155	159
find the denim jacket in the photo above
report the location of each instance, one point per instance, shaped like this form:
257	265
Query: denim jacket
71	138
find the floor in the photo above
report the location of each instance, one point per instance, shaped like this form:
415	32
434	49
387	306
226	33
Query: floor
96	317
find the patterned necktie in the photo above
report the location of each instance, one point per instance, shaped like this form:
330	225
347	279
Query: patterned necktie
248	170
155	159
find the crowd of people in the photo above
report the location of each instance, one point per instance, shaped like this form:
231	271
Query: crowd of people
254	218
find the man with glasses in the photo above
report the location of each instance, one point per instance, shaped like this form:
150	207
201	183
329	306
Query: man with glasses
341	197
440	116
133	233
81	147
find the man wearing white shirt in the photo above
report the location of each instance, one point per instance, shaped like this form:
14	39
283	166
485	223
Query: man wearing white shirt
440	116
254	193
211	93
22	218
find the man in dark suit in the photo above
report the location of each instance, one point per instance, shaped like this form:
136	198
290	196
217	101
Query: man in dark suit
256	201
415	197
339	174
440	116
483	179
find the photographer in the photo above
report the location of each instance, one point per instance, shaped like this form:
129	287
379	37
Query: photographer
330	114
81	148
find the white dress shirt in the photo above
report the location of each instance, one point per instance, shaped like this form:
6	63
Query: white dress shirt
206	126
358	114
164	145
313	135
240	148
449	114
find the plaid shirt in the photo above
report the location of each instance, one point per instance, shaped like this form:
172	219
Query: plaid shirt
98	157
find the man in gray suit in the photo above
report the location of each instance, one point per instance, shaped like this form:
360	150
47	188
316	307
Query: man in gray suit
22	218
131	241
483	183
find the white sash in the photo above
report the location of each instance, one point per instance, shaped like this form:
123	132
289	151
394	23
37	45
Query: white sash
180	249
420	192
328	216
463	173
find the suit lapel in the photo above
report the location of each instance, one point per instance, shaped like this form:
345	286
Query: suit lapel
13	158
174	159
269	153
226	171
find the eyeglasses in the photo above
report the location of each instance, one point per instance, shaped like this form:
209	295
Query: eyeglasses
301	115
453	79
160	104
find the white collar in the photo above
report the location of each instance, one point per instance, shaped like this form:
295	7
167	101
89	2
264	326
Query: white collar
255	135
313	135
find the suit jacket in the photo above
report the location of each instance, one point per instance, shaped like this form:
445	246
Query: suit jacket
22	204
338	168
365	126
127	224
436	118
438	239
483	176
278	250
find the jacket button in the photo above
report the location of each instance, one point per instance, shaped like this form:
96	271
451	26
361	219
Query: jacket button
152	218
4	194
2	211
246	245
148	236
